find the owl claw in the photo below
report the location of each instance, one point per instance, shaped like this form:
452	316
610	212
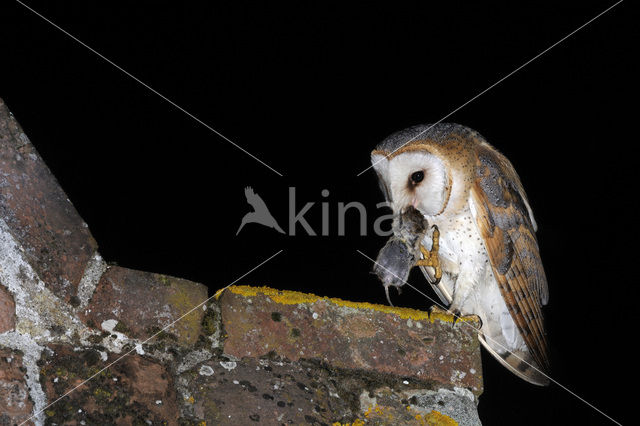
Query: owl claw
477	318
456	316
455	313
430	258
435	309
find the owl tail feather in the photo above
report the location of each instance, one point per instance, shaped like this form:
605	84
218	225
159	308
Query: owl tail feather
520	363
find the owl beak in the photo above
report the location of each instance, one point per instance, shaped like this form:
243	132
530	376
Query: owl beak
414	202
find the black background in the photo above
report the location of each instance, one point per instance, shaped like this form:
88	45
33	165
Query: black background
310	89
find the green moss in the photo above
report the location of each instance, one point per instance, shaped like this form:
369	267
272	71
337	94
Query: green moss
164	280
209	322
95	339
111	401
101	395
189	422
162	335
91	357
121	328
183	299
202	343
98	370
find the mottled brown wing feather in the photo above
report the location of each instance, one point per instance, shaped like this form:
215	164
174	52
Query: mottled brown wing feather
509	235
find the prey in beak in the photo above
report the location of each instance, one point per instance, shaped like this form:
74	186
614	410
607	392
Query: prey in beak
403	250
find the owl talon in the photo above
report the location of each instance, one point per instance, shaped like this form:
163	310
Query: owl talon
456	316
438	310
448	312
455	313
476	318
430	258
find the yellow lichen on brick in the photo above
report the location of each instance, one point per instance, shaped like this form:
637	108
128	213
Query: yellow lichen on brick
181	298
356	422
367	413
287	297
445	317
284	297
377	413
435	418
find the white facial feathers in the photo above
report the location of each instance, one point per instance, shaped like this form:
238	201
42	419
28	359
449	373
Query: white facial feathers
428	194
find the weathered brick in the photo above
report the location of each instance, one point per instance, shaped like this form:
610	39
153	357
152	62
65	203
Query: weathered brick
277	391
443	407
15	405
402	342
135	390
265	392
7	310
143	303
55	239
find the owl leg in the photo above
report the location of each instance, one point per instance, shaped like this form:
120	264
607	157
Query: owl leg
431	257
437	310
457	315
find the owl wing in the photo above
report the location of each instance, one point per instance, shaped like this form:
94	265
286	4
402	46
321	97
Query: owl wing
506	224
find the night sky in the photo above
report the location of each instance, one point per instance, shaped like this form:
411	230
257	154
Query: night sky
310	90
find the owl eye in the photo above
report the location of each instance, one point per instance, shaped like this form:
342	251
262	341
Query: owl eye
416	177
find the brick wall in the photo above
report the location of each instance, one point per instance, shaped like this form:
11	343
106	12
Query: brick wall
83	342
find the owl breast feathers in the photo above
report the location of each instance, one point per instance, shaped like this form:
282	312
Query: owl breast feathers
488	250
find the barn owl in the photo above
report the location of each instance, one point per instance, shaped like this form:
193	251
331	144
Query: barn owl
487	263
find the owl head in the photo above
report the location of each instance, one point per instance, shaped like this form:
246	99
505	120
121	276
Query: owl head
413	178
414	167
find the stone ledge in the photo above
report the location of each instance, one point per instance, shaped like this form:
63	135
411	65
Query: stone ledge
248	355
348	335
273	391
296	358
139	304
